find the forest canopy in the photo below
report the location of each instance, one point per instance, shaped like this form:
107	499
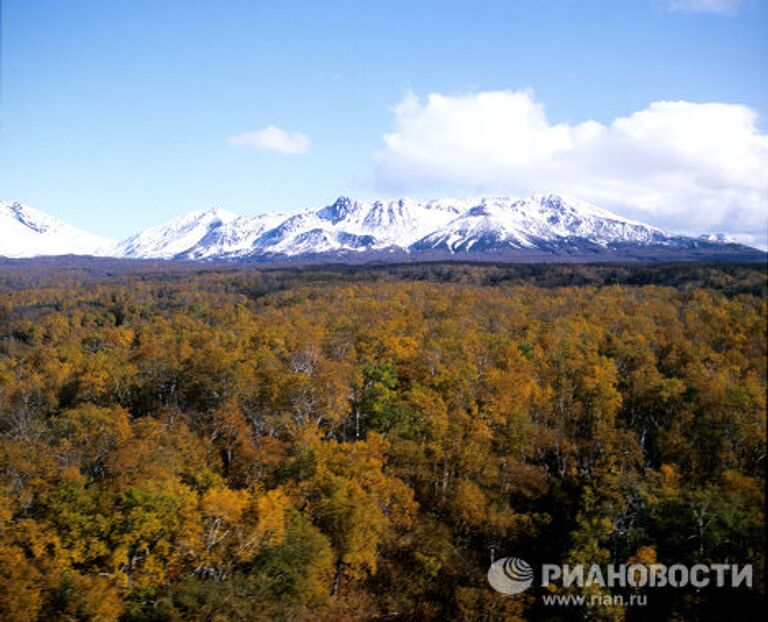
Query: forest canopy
350	443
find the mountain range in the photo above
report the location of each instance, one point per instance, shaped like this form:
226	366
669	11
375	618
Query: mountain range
537	228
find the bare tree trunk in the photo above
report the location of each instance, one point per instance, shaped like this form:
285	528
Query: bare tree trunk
336	578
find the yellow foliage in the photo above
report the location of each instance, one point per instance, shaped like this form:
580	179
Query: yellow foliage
469	504
20	593
95	599
225	504
271	508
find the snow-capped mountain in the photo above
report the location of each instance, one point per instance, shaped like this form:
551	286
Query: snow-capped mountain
520	229
27	232
538	222
544	223
344	226
199	235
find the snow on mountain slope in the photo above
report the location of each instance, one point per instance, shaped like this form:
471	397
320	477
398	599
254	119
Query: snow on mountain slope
27	232
232	238
391	223
549	224
536	222
168	240
199	235
345	225
349	225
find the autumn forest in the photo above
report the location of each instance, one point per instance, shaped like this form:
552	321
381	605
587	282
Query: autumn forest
359	443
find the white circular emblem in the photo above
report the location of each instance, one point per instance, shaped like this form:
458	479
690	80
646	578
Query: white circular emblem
510	575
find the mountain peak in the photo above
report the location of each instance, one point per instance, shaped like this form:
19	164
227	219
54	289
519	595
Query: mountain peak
539	225
30	217
28	232
339	210
211	214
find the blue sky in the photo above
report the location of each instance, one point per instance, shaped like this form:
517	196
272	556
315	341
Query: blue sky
119	115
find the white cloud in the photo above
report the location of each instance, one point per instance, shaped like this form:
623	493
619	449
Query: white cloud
719	7
273	138
681	165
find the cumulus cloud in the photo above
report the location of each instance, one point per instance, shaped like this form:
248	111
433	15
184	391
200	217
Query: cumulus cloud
685	166
273	138
719	7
